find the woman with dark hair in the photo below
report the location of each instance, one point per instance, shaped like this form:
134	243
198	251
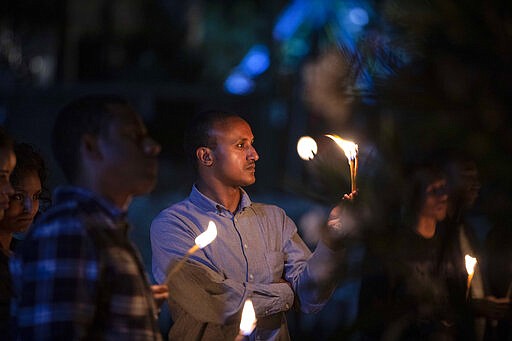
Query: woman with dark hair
428	272
28	179
420	293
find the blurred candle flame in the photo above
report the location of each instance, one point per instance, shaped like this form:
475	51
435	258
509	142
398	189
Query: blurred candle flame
307	148
349	147
470	264
470	268
201	241
248	322
207	236
351	150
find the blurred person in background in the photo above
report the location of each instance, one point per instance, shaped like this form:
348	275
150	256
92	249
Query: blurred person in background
498	252
418	290
7	164
464	187
96	287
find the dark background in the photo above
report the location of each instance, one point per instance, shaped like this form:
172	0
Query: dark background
407	80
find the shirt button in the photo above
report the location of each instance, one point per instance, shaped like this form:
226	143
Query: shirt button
251	277
286	306
236	220
245	246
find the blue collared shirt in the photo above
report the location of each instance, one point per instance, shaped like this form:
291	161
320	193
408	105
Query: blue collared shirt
257	254
77	276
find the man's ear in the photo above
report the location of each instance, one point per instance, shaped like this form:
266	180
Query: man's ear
89	147
204	156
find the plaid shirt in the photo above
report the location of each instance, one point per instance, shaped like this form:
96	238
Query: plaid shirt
76	276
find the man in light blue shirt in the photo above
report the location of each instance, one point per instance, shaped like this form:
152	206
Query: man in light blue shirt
257	253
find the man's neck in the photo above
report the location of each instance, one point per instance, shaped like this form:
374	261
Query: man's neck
227	196
106	191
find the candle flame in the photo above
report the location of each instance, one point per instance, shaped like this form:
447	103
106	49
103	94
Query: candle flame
307	148
207	236
248	322
349	147
470	264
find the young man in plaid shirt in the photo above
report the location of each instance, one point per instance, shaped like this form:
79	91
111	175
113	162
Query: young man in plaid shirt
76	275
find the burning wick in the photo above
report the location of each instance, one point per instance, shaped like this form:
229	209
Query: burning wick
307	148
470	268
351	150
248	322
201	241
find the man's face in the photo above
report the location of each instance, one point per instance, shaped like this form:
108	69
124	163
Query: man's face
470	185
130	163
234	155
465	184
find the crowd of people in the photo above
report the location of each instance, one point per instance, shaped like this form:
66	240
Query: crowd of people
75	275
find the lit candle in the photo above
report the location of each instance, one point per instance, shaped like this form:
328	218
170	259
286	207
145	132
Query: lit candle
307	148
201	241
248	322
470	268
351	151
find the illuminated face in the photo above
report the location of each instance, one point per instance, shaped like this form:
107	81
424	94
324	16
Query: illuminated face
234	155
24	204
7	163
436	201
129	155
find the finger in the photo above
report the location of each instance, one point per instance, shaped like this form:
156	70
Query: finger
159	288
161	296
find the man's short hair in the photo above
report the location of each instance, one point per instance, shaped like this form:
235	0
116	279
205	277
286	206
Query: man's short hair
85	115
198	132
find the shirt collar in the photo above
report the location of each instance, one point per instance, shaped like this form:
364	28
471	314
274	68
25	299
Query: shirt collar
207	204
74	193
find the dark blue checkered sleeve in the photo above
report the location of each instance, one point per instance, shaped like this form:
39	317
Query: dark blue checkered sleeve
55	279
